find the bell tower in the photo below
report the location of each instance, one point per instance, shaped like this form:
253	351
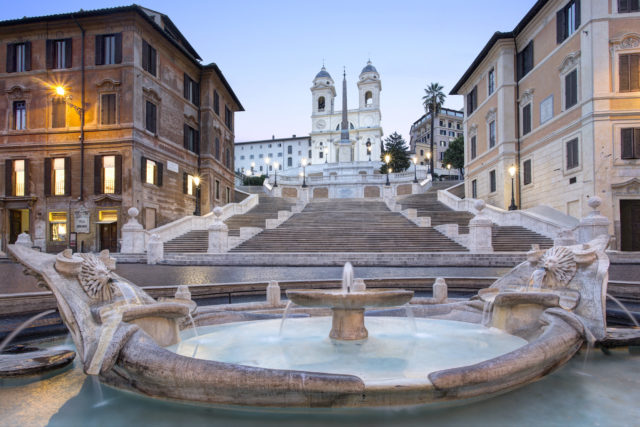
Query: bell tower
323	93
369	88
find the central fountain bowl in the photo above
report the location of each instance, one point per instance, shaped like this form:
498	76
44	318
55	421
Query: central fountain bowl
348	307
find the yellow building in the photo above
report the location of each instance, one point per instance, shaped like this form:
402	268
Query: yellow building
559	98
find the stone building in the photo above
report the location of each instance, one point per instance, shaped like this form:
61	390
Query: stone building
447	127
287	152
101	111
558	98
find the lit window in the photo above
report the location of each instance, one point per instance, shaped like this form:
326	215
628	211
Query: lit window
58	177
19	177
191	185
109	171
108	216
151	172
58	226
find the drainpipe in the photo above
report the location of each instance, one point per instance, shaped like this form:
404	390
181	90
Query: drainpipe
519	203
82	68
199	202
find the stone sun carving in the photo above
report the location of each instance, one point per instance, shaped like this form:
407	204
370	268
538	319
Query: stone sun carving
560	267
95	278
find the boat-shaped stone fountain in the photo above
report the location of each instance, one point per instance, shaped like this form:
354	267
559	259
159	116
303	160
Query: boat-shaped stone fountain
526	325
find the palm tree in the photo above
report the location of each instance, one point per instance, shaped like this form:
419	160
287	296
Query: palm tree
432	101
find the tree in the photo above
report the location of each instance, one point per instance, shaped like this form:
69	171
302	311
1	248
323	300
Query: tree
455	155
396	147
432	102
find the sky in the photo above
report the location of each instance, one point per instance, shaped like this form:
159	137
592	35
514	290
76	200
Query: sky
270	50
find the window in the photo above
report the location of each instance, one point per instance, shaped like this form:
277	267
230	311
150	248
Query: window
217	148
441	122
526	172
228	195
58	54
473	147
58	112
241	157
452	133
149	58
216	102
524	61
228	118
191	90
57	176
58	226
443	132
474	189
251	156
19	115
227	162
567	20
449	125
491	81
150	117
310	154
151	172
492	134
572	154
108	108
108	174
18	57
218	188
321	154
108	216
321	103
289	161
626	6
290	149
526	119
368	99
472	100
279	154
629	74
108	49
16	176
191	139
189	185
630	138
571	89
492	181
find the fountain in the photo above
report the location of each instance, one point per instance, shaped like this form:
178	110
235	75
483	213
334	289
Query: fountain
132	342
348	304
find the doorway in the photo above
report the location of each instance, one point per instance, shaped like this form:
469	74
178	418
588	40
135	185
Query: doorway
18	223
109	236
630	225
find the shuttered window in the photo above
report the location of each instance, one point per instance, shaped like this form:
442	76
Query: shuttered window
630	139
19	115
59	54
492	181
151	171
526	119
228	117
57	176
524	61
474	189
573	156
216	102
108	108
472	100
629	72
58	112
149	58
492	134
191	139
627	6
107	174
567	20
16	177
571	89
526	172
18	57
151	117
108	49
473	147
191	90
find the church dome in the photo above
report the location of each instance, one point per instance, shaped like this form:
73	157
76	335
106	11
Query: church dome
369	68
323	74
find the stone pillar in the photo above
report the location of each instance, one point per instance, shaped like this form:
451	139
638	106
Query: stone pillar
440	290
24	240
218	234
480	231
132	234
594	224
155	249
273	293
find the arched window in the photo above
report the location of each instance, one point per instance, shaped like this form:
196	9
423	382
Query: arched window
217	153
368	98
321	103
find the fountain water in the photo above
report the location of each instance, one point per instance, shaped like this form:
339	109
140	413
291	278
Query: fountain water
22	326
625	309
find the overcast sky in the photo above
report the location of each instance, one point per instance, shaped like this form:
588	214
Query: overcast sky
270	51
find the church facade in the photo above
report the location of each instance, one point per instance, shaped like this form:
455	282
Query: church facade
337	137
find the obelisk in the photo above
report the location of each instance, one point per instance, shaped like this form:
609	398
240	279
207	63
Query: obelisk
344	151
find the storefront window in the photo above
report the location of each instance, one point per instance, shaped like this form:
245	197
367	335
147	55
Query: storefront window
58	226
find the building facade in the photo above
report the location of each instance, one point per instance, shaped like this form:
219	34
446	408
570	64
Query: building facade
365	130
447	127
558	98
102	111
286	152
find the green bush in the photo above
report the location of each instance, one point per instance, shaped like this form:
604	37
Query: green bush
253	180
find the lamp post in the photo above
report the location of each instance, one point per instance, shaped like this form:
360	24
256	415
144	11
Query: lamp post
326	154
196	181
304	173
276	165
267	161
512	172
449	171
387	159
428	161
62	92
414	159
369	149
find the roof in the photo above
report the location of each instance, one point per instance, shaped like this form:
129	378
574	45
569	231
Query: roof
323	73
494	39
369	68
213	66
272	140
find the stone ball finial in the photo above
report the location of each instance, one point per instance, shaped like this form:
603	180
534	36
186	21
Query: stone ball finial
133	212
594	202
217	211
479	205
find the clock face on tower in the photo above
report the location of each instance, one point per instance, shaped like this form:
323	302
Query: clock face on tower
321	124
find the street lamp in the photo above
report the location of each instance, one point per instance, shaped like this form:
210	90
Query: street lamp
414	159
267	161
369	149
429	161
196	181
512	172
276	165
62	92
304	172
326	154
387	159
449	171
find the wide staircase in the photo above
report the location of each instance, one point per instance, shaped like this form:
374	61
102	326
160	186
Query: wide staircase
504	238
198	240
348	225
